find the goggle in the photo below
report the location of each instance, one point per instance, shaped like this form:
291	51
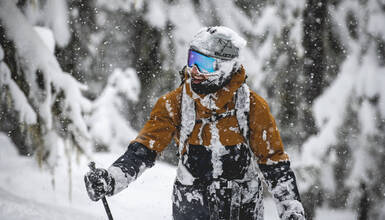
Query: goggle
204	63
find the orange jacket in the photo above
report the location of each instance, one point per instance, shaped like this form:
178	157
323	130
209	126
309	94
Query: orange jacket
165	121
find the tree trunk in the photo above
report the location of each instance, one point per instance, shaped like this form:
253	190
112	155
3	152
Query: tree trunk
364	205
314	18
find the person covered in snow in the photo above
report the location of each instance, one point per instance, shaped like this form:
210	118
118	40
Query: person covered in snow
224	131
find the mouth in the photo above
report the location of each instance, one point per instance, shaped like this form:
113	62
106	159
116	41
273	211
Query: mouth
196	79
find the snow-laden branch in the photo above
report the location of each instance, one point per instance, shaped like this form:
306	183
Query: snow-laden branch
20	102
35	56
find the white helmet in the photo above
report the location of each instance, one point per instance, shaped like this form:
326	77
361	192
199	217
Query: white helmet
219	42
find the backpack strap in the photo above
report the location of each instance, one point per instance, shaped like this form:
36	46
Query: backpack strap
242	110
188	117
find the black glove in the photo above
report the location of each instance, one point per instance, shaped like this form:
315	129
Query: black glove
99	183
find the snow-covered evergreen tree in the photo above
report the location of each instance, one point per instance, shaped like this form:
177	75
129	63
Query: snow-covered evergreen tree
42	104
348	151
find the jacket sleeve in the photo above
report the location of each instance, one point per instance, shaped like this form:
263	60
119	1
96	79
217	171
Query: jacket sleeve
273	161
153	138
265	139
162	126
130	165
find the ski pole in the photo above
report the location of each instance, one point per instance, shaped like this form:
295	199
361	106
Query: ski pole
91	165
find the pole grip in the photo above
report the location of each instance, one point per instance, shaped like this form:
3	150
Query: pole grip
92	167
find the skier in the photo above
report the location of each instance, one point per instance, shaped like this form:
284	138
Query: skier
224	131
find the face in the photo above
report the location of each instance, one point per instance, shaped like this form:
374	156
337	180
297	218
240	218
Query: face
209	74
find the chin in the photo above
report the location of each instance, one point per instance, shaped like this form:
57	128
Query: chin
208	86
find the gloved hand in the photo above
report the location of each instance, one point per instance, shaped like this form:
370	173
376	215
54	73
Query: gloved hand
99	183
292	210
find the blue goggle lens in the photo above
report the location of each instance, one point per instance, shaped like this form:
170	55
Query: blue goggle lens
203	62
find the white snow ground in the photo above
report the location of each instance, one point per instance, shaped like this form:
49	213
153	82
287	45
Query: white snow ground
27	192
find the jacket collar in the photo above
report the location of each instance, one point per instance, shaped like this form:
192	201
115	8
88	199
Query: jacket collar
217	100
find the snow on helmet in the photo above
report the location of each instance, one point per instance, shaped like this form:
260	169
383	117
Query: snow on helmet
219	42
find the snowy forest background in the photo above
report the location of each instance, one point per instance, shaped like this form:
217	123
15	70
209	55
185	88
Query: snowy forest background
78	79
